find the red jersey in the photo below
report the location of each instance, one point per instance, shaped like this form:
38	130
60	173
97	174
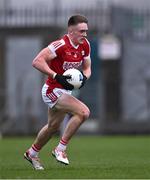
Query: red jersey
67	56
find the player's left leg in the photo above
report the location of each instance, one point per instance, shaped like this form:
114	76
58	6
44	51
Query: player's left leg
54	120
79	113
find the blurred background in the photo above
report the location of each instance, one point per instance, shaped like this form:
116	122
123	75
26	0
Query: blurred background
118	92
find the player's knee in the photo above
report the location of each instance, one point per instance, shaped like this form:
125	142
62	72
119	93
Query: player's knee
85	113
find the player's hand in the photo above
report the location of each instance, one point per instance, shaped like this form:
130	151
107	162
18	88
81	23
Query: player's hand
83	81
63	81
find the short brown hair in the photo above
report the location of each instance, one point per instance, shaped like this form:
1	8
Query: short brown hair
76	19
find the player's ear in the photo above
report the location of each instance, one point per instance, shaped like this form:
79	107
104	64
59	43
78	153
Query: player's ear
70	29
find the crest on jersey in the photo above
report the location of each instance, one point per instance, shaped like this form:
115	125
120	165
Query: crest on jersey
75	55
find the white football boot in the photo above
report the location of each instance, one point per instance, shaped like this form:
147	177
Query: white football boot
35	161
60	156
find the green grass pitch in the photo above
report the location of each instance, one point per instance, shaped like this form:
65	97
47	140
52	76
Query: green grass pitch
91	157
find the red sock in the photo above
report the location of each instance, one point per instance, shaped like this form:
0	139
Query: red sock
36	147
64	142
34	150
62	145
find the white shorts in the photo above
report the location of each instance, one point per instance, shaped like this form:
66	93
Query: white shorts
51	98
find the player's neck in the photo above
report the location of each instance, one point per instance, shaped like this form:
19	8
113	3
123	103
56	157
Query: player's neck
72	40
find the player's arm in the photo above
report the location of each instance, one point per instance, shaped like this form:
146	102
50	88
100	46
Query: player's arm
86	67
41	61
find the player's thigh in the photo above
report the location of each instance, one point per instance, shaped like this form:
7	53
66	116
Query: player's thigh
70	104
55	117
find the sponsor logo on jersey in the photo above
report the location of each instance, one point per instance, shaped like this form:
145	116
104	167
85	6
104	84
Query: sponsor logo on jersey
69	65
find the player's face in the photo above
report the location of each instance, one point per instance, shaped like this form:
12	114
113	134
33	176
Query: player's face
79	32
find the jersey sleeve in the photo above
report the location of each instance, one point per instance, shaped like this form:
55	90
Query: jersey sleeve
87	49
56	47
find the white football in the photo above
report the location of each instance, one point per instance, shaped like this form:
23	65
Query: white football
76	77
